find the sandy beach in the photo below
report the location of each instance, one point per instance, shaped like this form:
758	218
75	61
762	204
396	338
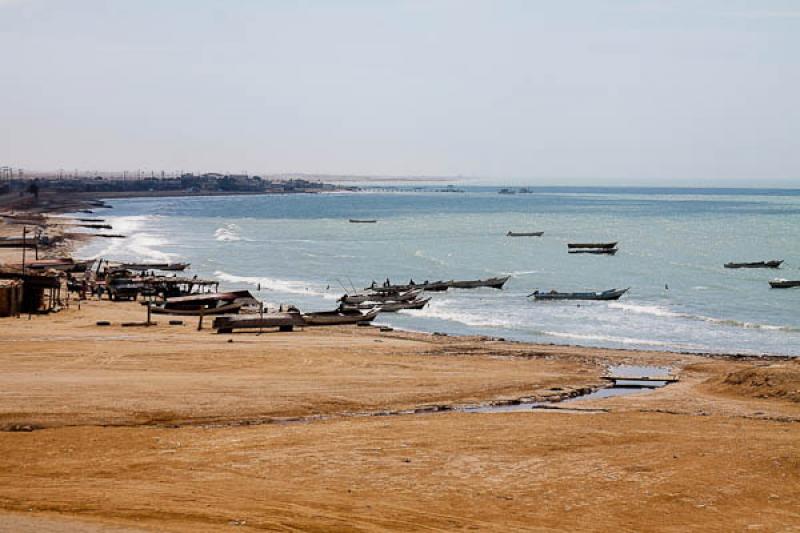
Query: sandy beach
167	428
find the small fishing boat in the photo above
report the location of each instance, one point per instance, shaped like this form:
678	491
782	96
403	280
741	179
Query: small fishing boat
523	234
339	317
592	244
213	303
494	283
389	307
380	297
759	264
169	267
220	308
611	294
606	251
433	286
284	321
784	283
362	221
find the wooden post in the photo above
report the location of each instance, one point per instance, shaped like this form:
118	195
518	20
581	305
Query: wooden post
24	246
148	312
200	322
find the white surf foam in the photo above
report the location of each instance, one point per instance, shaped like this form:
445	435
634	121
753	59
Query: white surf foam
281	285
229	233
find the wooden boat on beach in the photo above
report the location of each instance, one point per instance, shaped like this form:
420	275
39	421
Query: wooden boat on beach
523	234
592	244
758	264
606	251
214	303
61	264
338	317
284	321
784	283
611	294
362	221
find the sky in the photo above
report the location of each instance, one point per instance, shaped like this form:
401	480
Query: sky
569	92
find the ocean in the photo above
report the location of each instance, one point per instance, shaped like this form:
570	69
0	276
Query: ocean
301	249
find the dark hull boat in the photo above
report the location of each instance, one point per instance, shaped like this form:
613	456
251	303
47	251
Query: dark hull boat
205	304
380	297
592	244
611	294
282	321
389	307
784	283
362	221
606	251
172	267
221	309
523	234
758	264
494	283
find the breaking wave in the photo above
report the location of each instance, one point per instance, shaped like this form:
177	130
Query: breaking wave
229	233
280	285
656	310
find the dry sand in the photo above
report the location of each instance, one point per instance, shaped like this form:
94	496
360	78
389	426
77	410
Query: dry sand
168	428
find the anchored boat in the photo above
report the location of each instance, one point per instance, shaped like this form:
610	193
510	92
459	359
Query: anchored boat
592	244
611	294
784	283
759	264
606	251
524	234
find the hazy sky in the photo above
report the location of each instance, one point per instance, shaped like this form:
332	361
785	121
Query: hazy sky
541	92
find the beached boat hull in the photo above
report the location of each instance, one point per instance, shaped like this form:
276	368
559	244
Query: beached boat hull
338	318
220	310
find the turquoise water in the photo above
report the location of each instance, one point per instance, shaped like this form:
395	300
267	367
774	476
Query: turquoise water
302	250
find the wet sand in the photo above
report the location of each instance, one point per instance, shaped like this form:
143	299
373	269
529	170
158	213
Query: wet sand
168	428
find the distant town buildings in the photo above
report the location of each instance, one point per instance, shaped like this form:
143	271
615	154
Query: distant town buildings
210	182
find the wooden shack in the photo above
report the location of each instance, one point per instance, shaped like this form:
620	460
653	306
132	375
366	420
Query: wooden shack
10	297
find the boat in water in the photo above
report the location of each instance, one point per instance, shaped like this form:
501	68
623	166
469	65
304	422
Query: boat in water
611	294
758	264
524	234
389	306
494	283
169	267
606	251
592	244
380	297
784	283
362	221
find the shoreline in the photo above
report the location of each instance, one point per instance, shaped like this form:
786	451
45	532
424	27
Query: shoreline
509	337
76	201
